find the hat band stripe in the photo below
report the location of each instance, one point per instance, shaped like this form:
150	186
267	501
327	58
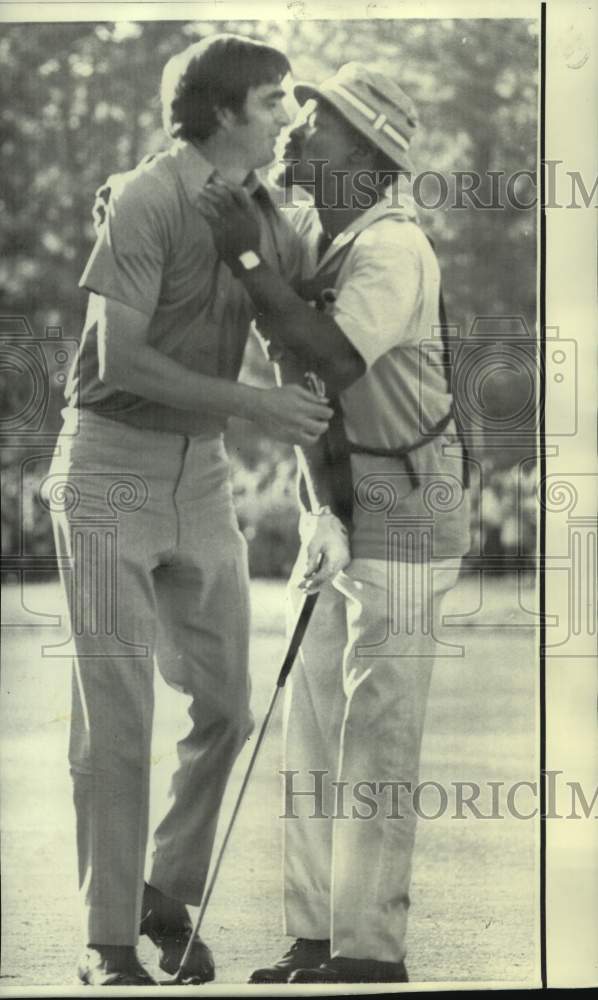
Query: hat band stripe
368	112
398	138
348	96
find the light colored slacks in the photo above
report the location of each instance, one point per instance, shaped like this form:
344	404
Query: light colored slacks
354	709
154	565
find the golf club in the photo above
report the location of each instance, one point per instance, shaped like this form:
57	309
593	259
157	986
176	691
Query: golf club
309	603
296	639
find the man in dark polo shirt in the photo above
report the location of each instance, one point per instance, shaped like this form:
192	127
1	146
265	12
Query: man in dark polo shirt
151	556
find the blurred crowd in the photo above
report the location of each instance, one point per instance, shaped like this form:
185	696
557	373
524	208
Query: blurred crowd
265	495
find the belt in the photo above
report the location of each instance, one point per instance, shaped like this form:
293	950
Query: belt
404	453
340	449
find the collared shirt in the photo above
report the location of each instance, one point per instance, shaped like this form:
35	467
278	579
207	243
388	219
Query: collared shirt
384	280
155	253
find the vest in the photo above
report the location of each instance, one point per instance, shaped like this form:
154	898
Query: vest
337	445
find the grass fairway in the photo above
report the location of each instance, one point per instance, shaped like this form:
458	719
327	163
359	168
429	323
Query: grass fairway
475	882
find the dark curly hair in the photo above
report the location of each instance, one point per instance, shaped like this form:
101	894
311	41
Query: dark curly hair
214	74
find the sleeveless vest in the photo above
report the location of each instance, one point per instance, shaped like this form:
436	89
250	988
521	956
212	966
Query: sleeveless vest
338	447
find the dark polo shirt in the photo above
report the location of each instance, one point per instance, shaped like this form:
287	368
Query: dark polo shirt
155	253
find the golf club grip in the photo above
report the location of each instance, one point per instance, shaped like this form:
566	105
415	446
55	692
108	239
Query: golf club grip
297	637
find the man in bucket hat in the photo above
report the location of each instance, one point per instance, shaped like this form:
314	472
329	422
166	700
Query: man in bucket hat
357	695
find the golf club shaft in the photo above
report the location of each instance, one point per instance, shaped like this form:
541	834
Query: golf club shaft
210	886
296	639
318	388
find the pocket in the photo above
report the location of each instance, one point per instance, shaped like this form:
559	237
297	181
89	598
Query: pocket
90	479
382	485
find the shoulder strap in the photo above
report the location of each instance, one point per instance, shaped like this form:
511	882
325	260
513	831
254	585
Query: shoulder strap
444	331
447	366
335	253
446	347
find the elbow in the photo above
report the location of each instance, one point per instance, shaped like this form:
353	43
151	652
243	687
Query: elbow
106	371
110	368
354	368
343	372
121	340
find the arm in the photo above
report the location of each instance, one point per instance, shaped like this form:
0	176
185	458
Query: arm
324	538
125	274
315	488
281	312
302	328
127	361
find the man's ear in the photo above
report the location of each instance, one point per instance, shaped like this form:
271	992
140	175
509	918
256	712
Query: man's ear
361	155
226	118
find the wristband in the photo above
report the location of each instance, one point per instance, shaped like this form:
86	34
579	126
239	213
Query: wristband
249	260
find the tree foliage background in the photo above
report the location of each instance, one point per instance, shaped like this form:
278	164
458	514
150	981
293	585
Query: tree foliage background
81	101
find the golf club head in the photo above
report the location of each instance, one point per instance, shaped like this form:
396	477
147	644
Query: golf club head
182	980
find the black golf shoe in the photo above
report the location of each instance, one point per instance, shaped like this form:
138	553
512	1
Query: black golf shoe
166	923
303	953
352	970
112	965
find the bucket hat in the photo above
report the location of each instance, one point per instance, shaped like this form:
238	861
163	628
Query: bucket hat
373	104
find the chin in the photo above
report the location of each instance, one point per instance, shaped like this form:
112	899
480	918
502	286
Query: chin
281	174
267	159
293	174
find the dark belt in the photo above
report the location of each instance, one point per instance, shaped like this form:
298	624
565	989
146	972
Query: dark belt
340	450
404	453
